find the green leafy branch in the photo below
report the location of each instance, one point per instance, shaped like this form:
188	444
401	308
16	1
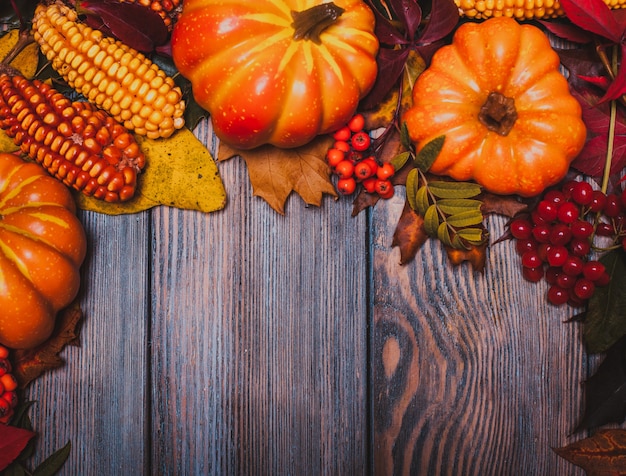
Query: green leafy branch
450	210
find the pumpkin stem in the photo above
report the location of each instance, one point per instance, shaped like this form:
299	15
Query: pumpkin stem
310	23
498	113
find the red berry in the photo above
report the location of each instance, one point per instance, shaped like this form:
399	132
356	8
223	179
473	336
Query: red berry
581	229
613	206
361	141
593	270
521	228
334	156
573	265
565	281
555	196
522	246
354	156
5	408
568	213
370	184
11	397
531	259
342	134
547	210
552	274
598	200
384	188
344	169
385	171
541	233
357	123
533	274
579	247
4	352
584	288
603	280
560	234
346	186
557	295
582	193
557	255
362	170
342	145
371	161
5	366
605	229
9	382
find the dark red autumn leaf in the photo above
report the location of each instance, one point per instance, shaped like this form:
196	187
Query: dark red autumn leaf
135	25
567	31
596	116
593	16
412	34
602	454
12	441
605	391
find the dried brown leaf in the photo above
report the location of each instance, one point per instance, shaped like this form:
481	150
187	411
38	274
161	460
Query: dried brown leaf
509	205
409	235
275	173
476	255
31	363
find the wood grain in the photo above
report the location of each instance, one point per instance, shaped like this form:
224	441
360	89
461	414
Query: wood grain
473	373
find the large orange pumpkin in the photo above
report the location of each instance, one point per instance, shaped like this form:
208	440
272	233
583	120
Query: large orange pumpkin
509	120
42	246
276	71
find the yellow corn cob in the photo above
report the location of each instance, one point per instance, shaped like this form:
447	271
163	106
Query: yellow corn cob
109	73
520	9
168	10
75	142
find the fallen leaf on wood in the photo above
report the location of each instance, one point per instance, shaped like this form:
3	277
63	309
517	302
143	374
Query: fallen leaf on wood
180	172
29	364
602	454
13	440
275	173
509	205
605	390
476	255
409	235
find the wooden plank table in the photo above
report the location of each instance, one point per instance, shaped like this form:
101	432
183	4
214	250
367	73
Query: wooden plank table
246	342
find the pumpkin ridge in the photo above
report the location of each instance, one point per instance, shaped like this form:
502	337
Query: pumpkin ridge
15	188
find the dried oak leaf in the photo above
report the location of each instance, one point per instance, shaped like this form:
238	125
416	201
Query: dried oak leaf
602	454
12	442
509	205
275	173
409	235
31	363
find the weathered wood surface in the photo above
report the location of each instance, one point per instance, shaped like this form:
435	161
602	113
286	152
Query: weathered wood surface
245	342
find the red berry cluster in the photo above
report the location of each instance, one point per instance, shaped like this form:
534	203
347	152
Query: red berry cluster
556	239
350	158
8	387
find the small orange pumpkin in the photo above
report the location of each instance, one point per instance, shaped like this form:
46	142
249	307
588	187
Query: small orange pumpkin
498	97
42	246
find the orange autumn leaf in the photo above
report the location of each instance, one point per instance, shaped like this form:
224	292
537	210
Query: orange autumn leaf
29	364
275	173
602	454
476	255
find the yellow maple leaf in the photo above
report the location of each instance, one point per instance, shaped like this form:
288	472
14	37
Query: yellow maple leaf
275	173
180	172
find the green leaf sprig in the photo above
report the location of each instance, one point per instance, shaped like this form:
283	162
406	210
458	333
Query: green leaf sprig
450	210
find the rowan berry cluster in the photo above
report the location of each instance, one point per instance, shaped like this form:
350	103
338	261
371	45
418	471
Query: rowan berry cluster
8	387
352	160
557	240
